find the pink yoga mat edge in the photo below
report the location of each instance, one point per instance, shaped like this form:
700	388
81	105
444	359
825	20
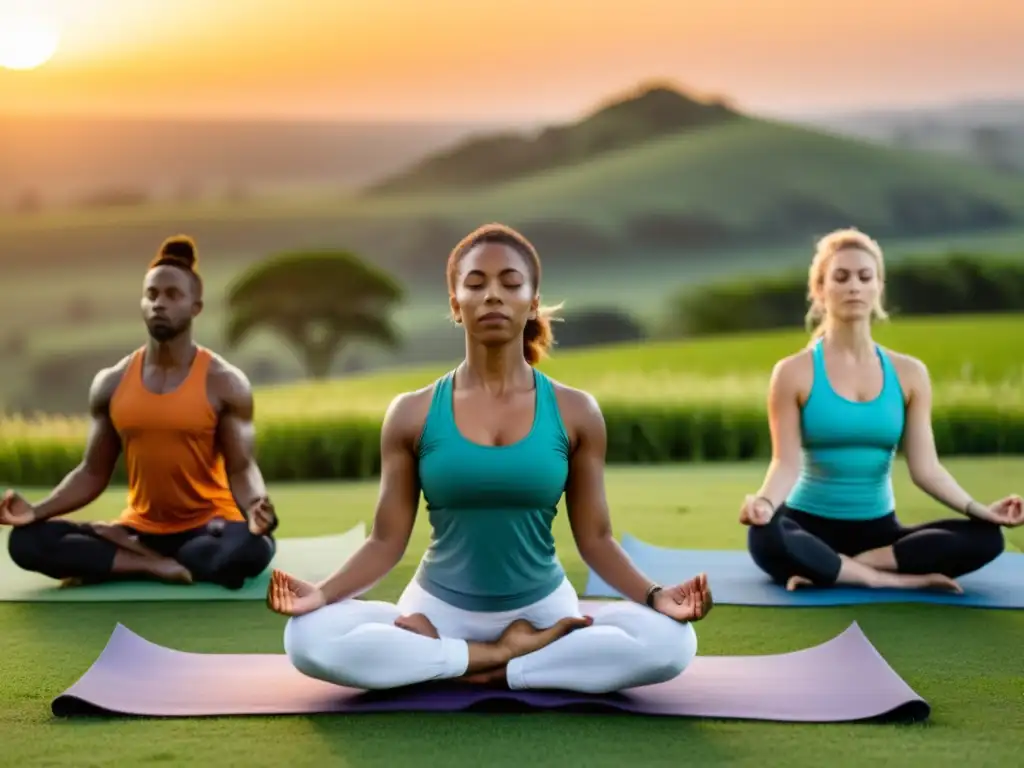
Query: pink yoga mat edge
844	679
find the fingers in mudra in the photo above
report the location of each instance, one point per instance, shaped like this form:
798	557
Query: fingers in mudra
279	594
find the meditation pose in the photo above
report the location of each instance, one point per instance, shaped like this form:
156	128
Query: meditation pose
492	445
184	419
825	513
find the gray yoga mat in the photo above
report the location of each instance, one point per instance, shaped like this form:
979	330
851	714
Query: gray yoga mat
308	558
843	679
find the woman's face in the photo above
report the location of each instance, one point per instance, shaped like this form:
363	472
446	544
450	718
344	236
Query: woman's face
852	287
494	293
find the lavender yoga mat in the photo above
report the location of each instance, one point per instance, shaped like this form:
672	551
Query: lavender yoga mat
843	679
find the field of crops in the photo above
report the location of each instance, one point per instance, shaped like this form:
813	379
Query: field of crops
695	401
972	360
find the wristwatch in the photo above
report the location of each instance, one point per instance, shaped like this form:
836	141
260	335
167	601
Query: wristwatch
652	590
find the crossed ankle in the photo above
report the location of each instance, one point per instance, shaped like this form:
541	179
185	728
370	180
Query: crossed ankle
504	651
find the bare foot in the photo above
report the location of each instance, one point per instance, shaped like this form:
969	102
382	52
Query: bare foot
521	637
936	581
890	580
491	678
418	623
171	571
795	582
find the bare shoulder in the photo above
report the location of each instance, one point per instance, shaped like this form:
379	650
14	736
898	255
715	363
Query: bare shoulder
406	414
105	384
794	374
580	410
228	384
228	380
575	401
911	371
795	367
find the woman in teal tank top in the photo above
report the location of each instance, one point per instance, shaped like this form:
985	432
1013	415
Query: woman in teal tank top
838	411
492	446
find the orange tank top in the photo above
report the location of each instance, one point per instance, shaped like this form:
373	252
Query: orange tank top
176	475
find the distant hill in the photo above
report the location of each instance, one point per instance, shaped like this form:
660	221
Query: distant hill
91	159
654	177
658	170
651	112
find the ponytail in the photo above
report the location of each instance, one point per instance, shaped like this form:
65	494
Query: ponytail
538	336
815	320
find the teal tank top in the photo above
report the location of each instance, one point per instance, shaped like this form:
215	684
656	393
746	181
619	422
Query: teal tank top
849	447
492	508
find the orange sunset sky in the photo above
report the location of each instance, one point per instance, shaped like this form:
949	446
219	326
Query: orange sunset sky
510	59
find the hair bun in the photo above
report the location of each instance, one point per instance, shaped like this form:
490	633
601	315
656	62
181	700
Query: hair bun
180	249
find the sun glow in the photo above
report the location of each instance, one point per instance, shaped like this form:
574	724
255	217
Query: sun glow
27	42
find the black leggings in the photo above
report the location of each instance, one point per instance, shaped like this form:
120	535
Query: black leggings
796	543
223	553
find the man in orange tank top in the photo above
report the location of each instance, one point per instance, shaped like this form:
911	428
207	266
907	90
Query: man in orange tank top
182	416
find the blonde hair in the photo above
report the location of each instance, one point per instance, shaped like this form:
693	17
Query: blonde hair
826	249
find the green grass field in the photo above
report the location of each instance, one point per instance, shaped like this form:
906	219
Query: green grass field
967	357
971	359
963	661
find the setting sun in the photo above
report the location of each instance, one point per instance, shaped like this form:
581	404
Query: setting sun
27	42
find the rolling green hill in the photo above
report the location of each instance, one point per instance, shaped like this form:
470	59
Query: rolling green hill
659	169
653	171
623	123
650	192
758	177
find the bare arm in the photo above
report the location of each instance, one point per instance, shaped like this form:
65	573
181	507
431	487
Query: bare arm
397	504
784	423
587	504
923	462
84	484
236	437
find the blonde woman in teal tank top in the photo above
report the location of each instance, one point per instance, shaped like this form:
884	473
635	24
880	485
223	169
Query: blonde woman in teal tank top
838	410
492	447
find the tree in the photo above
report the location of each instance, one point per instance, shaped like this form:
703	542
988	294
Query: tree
317	301
994	147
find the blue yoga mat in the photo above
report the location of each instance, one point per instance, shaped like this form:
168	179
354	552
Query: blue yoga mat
735	580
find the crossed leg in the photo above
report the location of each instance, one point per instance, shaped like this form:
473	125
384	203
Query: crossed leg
376	645
224	554
928	556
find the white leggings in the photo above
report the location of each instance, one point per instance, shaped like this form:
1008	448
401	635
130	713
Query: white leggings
355	643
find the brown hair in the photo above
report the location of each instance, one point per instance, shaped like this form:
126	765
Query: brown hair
538	337
827	247
180	251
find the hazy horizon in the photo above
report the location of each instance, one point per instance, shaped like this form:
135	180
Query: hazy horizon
989	103
239	97
530	61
